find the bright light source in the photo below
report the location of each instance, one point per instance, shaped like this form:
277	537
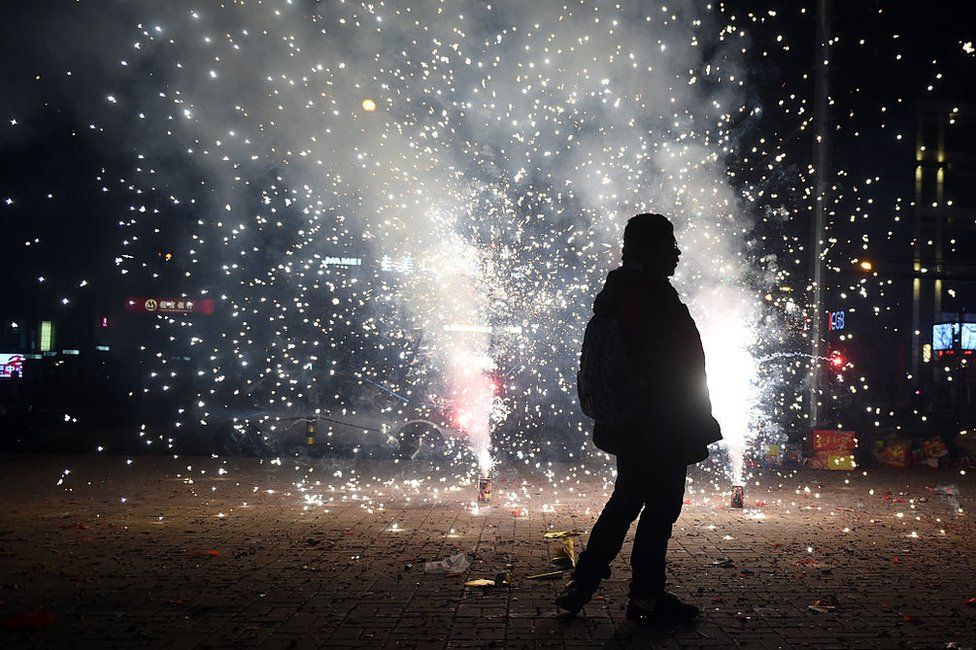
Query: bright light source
369	105
867	266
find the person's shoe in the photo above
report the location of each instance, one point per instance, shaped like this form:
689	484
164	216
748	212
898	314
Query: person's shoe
664	608
574	597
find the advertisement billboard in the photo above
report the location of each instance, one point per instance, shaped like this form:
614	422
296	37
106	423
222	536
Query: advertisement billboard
11	365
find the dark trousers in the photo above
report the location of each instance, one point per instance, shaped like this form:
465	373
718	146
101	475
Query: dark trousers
655	491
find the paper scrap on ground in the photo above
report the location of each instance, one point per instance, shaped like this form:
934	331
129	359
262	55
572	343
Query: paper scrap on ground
450	565
559	534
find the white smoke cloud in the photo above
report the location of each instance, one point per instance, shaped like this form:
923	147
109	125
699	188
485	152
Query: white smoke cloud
509	144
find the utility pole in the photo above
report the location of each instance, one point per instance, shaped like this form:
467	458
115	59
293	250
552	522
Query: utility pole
821	90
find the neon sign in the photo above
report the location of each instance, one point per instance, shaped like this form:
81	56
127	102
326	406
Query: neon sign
11	365
837	321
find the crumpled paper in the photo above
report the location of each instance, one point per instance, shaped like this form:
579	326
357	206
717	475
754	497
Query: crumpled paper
452	565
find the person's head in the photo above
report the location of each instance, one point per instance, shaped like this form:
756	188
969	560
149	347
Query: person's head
649	241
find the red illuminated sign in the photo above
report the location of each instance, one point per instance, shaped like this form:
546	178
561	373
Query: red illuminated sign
159	305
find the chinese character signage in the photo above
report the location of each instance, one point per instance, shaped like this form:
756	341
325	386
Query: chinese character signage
159	305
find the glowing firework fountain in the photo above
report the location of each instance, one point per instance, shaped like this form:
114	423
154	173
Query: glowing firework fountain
728	338
473	400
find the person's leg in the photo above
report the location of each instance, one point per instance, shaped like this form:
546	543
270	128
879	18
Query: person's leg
610	528
664	495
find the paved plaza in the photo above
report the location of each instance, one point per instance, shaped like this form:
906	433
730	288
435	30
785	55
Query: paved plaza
210	552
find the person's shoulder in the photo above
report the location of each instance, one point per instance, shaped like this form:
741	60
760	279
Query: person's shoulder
660	290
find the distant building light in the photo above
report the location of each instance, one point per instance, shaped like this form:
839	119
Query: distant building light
102	348
47	336
73	353
342	261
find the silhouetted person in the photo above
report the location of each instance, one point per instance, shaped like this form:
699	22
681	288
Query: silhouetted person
673	426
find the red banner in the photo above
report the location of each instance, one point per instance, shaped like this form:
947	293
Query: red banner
834	441
159	305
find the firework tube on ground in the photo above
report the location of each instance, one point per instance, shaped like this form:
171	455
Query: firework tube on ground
484	489
738	496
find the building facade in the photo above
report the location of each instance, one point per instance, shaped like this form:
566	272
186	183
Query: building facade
943	359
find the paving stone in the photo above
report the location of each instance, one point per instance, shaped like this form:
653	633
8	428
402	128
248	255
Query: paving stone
182	562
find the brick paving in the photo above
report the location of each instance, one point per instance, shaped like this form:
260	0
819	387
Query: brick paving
319	553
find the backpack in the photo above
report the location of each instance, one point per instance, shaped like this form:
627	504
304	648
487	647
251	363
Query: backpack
607	386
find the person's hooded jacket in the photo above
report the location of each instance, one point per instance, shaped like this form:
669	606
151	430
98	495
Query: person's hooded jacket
668	362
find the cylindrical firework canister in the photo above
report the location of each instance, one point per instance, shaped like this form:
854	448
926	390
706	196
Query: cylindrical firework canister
484	489
309	432
738	496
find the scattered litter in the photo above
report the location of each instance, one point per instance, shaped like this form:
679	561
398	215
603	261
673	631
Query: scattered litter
825	605
949	492
565	556
561	534
724	562
452	565
501	580
549	575
479	582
